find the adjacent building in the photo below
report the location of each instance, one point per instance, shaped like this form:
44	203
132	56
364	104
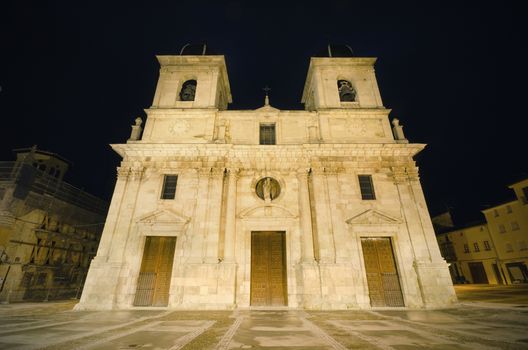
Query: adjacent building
49	230
508	227
319	208
494	251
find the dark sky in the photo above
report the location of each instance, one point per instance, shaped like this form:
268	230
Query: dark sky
73	78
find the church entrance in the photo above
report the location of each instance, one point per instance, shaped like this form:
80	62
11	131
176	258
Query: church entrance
156	270
268	269
382	275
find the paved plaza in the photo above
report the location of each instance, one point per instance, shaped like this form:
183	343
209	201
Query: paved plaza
488	317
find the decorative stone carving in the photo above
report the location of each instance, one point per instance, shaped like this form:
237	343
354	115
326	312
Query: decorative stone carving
135	135
397	131
179	127
373	217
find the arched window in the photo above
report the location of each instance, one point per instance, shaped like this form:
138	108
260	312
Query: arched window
346	91
188	90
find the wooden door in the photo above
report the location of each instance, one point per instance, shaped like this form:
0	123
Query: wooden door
156	270
478	274
382	275
268	269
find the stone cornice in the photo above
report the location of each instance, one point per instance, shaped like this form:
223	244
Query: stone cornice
140	149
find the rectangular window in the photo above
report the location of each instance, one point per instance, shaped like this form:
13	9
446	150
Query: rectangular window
525	192
522	245
487	245
366	186
466	248
169	186
502	229
476	247
514	226
267	134
509	247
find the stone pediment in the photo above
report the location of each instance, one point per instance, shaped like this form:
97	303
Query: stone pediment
162	222
266	212
373	217
267	108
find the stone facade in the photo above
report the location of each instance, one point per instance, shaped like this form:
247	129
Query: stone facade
315	157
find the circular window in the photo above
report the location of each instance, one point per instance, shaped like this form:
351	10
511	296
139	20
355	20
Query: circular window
268	188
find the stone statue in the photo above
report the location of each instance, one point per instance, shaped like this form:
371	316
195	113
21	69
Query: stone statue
188	90
135	134
346	91
268	189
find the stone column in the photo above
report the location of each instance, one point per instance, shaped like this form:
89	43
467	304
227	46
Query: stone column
423	213
336	217
305	213
214	216
325	234
230	226
125	216
113	212
198	233
103	276
432	271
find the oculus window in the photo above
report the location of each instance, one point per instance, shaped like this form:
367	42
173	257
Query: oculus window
366	187
267	134
169	186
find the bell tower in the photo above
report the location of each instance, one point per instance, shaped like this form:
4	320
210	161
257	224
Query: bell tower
341	82
192	81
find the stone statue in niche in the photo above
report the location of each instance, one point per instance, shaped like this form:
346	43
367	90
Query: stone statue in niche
268	189
188	90
346	91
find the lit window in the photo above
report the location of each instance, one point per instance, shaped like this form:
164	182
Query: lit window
502	228
466	248
514	226
366	186
509	247
476	247
487	245
267	134
508	209
169	186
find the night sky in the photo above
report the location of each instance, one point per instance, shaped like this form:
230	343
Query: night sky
74	78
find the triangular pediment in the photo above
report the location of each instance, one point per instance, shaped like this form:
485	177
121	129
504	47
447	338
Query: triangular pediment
163	216
373	217
267	108
266	212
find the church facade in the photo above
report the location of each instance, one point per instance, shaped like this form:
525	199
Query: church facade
319	208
